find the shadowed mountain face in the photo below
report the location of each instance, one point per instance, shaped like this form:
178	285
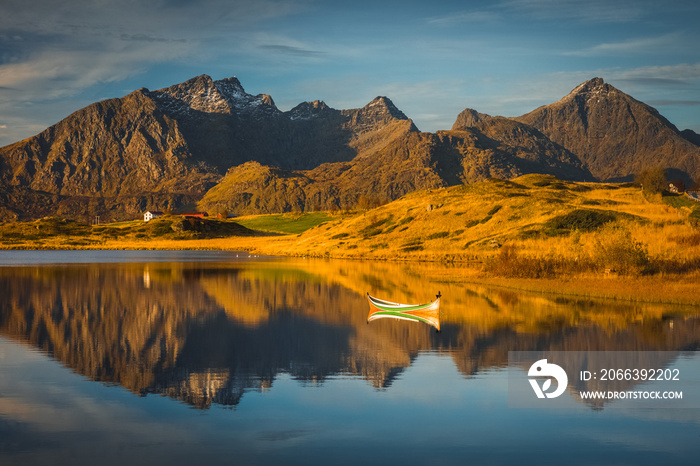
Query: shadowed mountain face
410	162
208	333
615	135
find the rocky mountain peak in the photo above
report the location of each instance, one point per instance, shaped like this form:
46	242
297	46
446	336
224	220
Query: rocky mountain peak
593	89
384	106
308	110
203	94
691	136
198	94
468	118
229	86
266	99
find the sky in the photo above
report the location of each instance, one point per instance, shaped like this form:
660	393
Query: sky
433	59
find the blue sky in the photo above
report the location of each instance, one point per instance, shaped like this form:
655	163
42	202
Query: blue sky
433	59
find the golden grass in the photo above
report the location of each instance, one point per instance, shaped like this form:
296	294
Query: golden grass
469	225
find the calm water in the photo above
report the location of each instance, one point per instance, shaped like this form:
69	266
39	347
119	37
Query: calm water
218	358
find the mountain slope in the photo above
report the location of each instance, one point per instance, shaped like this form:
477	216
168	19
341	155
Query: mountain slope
164	149
529	150
118	146
615	135
417	161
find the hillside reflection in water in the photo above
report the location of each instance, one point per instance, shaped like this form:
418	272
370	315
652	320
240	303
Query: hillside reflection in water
207	333
263	362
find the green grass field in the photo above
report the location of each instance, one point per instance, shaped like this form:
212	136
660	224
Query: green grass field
285	223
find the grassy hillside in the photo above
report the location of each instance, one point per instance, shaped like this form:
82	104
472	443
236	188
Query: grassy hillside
534	226
57	233
293	223
512	226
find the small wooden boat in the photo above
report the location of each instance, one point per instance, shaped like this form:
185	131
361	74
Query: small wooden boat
428	313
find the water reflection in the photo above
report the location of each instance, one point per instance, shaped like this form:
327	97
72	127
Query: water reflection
208	333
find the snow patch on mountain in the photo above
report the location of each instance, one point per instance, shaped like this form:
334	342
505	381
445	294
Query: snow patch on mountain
203	95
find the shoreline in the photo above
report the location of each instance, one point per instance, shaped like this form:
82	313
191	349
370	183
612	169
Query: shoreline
656	289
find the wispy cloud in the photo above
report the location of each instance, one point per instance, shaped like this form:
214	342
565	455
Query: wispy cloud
73	45
674	103
630	46
148	38
290	50
682	74
50	74
462	17
57	50
590	11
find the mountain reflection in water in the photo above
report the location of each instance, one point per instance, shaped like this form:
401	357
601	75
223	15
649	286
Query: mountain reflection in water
207	333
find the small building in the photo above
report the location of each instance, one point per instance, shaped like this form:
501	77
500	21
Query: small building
151	214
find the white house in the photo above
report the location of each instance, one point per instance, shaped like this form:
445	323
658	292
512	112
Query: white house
151	214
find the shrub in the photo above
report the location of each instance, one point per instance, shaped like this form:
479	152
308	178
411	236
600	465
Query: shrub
689	240
616	249
579	219
510	263
414	245
369	231
495	209
439	234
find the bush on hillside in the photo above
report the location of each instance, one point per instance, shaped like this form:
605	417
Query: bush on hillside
579	219
615	249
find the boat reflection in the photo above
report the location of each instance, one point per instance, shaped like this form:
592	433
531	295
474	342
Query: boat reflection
208	333
427	313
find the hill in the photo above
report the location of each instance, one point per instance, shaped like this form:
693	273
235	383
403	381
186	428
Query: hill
551	227
615	135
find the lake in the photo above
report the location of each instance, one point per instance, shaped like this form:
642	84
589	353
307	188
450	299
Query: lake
175	357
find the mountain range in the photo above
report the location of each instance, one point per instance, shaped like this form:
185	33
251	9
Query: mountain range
209	145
